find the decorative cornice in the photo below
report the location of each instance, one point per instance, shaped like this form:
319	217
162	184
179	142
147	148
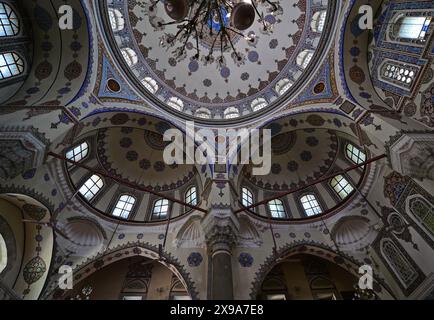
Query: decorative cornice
28	192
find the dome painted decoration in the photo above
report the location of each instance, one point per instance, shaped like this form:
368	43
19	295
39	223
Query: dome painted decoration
35	212
258	72
34	270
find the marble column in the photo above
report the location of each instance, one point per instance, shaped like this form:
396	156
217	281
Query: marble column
221	229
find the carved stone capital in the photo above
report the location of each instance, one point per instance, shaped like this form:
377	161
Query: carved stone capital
221	238
413	155
20	151
221	228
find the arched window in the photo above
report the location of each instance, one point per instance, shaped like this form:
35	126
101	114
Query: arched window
176	103
3	254
11	65
160	210
283	86
424	212
191	196
150	85
323	288
178	291
355	154
246	197
398	262
310	205
231	113
274	286
259	104
91	187
413	28
130	56
203	113
318	21
342	187
124	206
304	58
9	23
117	20
78	152
277	209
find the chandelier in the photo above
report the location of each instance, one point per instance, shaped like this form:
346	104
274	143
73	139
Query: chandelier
218	23
363	294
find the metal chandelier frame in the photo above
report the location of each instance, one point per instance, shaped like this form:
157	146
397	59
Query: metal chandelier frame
195	25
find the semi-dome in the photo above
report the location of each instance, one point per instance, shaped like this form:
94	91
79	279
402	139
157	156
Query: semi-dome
353	232
128	173
84	237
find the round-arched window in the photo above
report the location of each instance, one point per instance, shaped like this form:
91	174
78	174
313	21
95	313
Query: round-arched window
283	86
203	113
259	104
176	103
130	56
150	84
318	21
11	65
231	113
304	58
117	20
9	22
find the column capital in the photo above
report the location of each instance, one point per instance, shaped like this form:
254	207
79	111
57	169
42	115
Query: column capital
412	154
221	229
21	149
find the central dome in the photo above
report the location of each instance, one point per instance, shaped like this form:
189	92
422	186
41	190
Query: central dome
268	67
